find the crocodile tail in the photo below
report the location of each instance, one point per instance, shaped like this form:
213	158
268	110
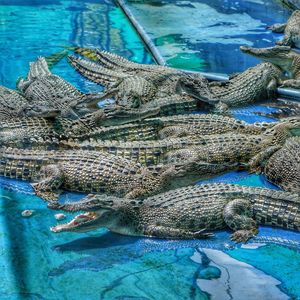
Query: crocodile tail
55	58
38	68
86	52
95	72
257	127
107	59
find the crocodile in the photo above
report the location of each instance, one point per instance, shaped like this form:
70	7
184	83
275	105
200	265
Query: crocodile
229	149
138	86
256	83
45	133
287	59
128	80
80	171
12	104
194	125
201	155
50	95
187	213
197	125
281	165
291	30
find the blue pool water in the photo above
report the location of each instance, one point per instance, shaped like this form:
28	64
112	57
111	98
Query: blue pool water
205	35
37	264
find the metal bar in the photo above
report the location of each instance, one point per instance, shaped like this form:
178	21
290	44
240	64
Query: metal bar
142	33
289	94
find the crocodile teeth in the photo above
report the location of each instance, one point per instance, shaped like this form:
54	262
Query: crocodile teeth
79	219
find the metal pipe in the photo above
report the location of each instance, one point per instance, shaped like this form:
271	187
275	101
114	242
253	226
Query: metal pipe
142	33
282	92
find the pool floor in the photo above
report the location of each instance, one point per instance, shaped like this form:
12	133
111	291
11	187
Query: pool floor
37	264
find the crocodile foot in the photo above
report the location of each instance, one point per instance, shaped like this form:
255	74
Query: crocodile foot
243	235
203	234
291	83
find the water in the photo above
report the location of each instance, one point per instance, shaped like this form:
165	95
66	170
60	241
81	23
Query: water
37	264
206	34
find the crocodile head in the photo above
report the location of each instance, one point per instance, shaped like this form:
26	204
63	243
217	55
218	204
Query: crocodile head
196	86
98	211
284	129
282	56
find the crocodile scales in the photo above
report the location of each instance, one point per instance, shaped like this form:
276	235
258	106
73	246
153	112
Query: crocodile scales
291	30
287	59
255	84
50	95
203	154
140	89
281	165
82	171
190	212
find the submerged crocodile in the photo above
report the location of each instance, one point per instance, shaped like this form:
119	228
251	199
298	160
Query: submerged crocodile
256	83
187	213
291	30
50	95
284	57
281	165
81	171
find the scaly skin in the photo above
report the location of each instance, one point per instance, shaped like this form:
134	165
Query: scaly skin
204	124
194	125
291	30
50	95
82	171
256	83
187	213
230	148
137	86
206	154
144	152
44	133
284	57
12	104
281	165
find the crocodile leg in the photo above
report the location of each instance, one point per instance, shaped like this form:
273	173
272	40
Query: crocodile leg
272	89
257	162
278	28
286	41
221	109
52	179
238	216
169	232
291	83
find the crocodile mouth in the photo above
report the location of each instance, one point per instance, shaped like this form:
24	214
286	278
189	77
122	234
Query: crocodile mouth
82	222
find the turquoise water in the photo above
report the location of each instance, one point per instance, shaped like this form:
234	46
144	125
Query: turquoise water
208	33
37	264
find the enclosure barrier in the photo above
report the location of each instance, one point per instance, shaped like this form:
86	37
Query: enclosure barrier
286	94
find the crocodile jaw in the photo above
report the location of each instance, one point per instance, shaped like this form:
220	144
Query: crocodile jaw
81	223
281	56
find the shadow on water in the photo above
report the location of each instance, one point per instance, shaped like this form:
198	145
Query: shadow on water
17	250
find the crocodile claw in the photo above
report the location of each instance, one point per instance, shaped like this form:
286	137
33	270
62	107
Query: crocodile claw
242	236
203	234
54	205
